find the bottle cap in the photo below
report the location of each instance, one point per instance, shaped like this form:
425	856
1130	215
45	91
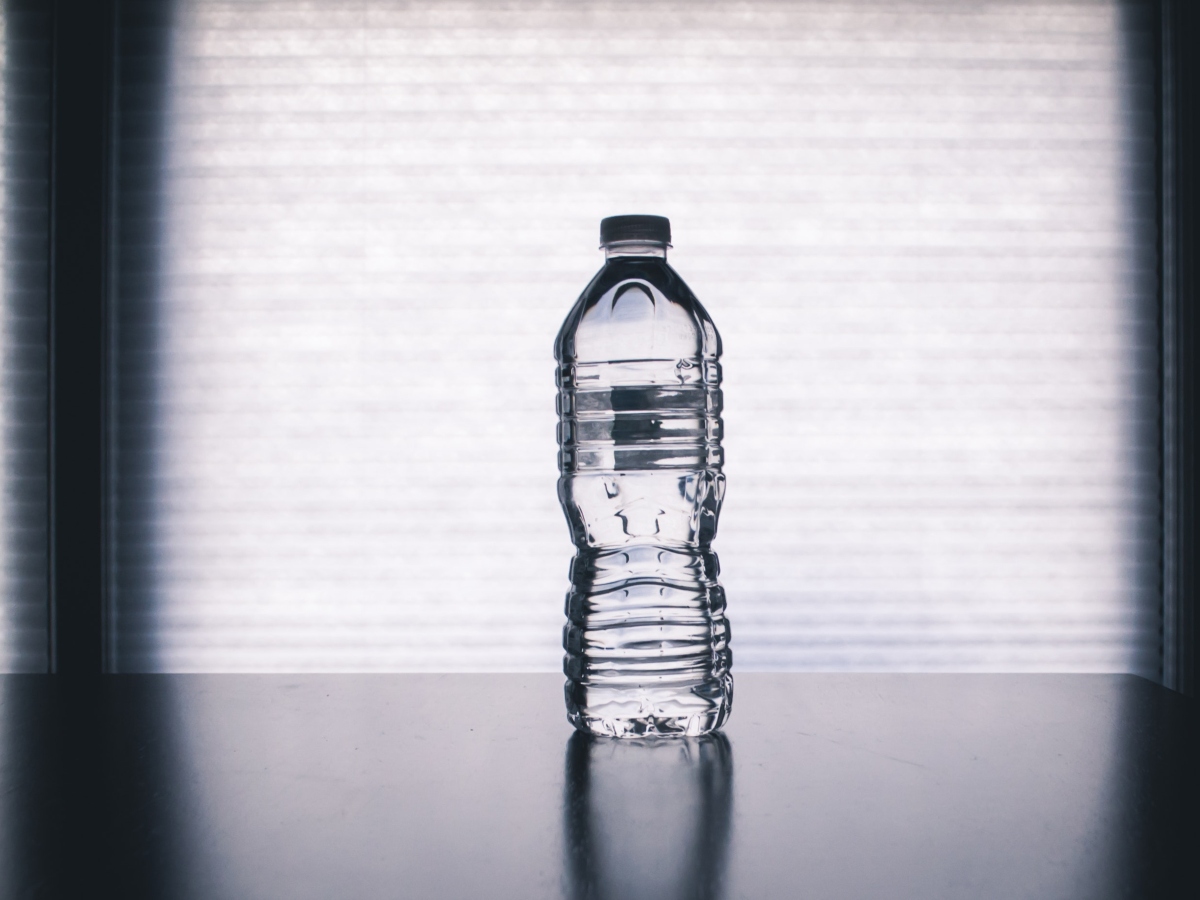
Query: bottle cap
651	229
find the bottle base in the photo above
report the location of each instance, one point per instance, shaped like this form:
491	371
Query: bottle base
649	711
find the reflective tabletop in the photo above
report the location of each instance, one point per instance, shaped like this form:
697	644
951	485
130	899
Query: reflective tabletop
364	786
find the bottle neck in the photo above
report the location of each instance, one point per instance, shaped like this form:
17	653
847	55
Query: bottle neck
627	249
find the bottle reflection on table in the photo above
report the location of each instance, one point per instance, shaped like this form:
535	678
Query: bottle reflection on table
647	817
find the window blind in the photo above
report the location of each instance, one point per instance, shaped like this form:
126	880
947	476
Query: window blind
24	267
350	230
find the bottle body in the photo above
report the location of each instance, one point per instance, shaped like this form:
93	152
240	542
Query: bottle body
641	484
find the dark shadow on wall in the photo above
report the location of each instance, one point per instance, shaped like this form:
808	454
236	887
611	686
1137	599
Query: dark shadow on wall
1136	89
143	64
26	271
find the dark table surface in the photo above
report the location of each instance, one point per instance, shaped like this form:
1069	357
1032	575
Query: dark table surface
363	786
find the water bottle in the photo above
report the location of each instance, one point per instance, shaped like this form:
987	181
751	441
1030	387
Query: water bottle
639	434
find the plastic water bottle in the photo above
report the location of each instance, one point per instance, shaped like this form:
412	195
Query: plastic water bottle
639	403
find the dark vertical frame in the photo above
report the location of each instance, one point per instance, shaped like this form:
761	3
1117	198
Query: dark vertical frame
1180	234
79	240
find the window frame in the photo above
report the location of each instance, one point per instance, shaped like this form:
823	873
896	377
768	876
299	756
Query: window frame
83	202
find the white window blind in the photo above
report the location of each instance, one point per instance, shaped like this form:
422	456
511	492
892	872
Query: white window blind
24	270
350	230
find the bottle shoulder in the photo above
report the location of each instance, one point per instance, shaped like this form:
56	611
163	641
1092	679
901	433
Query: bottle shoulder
637	309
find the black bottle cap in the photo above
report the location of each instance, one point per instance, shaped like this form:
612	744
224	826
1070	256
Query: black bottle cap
651	229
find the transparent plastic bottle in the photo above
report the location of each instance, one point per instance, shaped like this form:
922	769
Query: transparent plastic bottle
639	402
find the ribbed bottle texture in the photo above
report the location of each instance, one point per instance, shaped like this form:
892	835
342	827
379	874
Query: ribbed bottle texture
639	402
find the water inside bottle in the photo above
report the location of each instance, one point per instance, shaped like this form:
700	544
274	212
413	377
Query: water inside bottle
646	638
